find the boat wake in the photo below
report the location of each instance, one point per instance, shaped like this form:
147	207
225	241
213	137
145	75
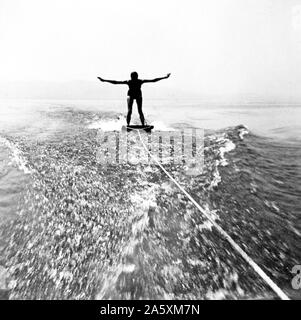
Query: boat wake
126	231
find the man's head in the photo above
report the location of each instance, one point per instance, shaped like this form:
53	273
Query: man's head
134	75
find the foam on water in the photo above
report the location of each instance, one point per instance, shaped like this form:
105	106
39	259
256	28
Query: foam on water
161	236
207	224
142	202
108	124
242	132
117	123
161	126
227	145
17	156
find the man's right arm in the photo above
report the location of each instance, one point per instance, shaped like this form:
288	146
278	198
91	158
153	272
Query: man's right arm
112	81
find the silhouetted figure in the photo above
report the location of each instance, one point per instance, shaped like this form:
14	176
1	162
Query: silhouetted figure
134	93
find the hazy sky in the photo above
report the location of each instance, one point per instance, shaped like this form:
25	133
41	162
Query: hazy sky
209	46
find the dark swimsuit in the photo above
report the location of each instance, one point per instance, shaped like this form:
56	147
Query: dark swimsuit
134	89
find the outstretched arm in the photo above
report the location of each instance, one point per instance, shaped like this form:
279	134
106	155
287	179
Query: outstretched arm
156	79
112	81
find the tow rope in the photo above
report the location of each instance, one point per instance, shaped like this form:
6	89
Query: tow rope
245	256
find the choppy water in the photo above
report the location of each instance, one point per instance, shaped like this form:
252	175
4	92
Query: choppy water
72	230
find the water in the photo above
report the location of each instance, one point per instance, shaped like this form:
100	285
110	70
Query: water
71	230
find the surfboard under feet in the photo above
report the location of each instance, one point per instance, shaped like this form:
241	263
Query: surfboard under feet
146	128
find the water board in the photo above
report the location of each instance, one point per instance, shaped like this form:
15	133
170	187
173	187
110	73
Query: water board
146	128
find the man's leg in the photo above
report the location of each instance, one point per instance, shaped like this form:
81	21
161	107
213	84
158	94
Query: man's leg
130	107
139	104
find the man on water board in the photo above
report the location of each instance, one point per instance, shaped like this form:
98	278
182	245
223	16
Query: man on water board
134	93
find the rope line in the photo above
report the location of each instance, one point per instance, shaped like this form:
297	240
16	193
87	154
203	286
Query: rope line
244	255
